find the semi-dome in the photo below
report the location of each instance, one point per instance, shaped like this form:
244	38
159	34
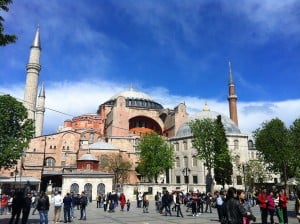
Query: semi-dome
229	126
135	99
87	157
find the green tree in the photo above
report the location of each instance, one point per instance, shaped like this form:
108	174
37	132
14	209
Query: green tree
223	168
15	130
119	166
254	172
5	38
295	145
272	141
156	156
204	131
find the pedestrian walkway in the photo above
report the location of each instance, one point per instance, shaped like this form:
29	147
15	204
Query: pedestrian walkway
136	215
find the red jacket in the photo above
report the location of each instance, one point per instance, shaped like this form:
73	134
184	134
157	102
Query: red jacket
283	200
262	200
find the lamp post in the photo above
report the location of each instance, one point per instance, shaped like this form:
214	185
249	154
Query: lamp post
186	171
16	173
245	172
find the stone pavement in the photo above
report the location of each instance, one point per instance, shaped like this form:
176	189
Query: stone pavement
136	215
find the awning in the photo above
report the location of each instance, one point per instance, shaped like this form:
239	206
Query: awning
19	179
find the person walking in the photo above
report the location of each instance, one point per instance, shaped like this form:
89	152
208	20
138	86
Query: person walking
58	200
128	205
67	201
178	202
26	208
122	201
43	206
208	201
17	205
36	198
219	204
83	204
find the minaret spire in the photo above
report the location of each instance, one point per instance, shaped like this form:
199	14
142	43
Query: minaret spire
32	77
232	98
37	42
40	110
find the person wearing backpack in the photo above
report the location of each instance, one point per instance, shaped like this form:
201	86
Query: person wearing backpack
83	204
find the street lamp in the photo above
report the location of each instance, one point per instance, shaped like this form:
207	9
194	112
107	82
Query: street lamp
186	171
16	173
245	172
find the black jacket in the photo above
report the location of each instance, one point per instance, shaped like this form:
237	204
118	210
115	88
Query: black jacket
234	211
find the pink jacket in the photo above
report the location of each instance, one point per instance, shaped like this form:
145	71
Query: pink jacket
271	203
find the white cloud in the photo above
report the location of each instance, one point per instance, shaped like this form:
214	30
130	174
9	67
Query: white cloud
68	99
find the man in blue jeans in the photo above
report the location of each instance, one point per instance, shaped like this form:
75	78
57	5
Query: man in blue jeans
67	201
83	204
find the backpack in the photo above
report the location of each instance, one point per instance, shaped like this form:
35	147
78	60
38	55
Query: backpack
83	200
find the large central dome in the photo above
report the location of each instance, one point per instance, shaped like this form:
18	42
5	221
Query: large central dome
229	126
132	94
135	99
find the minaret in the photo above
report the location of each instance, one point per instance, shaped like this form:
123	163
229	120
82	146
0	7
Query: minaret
232	98
33	68
40	110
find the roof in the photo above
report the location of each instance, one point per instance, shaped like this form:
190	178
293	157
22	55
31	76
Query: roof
102	146
229	126
88	156
132	94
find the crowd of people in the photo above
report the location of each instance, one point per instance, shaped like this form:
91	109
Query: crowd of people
19	206
233	206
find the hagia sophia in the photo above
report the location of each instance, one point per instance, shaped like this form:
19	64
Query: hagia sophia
72	159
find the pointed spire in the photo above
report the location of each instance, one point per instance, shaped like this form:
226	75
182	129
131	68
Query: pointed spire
206	107
230	73
42	91
131	87
37	41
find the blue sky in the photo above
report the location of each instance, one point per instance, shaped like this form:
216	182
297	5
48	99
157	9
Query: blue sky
176	51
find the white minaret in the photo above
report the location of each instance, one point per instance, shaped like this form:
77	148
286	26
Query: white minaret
40	110
33	68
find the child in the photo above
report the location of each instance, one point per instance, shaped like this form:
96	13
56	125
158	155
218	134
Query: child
128	205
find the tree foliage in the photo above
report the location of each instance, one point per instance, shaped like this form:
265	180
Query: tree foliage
118	165
15	130
156	156
204	140
209	139
223	167
295	145
5	38
273	142
254	171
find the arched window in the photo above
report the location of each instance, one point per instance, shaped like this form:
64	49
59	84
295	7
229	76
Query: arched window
101	188
195	161
50	162
236	144
74	188
250	144
177	161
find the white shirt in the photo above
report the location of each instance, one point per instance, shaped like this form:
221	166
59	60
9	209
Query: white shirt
58	200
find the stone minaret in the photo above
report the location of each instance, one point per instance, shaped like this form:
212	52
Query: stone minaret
33	68
40	110
232	98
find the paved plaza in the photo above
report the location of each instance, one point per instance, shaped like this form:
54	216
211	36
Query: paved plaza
136	215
